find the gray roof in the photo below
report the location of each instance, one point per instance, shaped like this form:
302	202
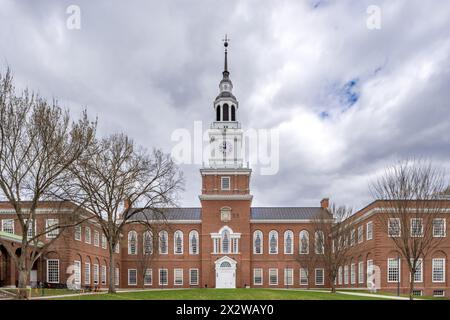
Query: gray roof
257	213
169	214
286	213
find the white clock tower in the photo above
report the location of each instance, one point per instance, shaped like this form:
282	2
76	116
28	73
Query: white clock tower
225	133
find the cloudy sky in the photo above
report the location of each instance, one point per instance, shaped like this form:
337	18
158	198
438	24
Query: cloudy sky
346	100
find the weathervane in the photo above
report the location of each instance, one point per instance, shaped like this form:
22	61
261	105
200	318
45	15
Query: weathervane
225	41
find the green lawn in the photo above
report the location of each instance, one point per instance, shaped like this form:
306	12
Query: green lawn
220	294
394	294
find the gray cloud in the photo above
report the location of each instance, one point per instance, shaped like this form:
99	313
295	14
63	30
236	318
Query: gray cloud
150	67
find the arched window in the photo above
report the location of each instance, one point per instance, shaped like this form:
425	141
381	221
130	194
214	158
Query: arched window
225	111
319	242
132	242
225	241
225	264
193	242
257	242
233	113
148	242
218	113
304	242
163	240
288	239
178	242
273	242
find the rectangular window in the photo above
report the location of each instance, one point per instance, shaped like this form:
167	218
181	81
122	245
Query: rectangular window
288	277
215	245
418	275
77	233
8	226
116	276
77	272
320	277
438	266
273	277
104	275
51	227
345	274
117	248
257	277
148	277
104	242
96	274
416	227
87	235
438	293
369	230
393	270
53	270
303	276
163	277
352	273
235	244
225	183
87	273
394	229
361	272
340	276
193	277
178	277
439	228
369	270
360	234
352	237
31	231
96	238
132	277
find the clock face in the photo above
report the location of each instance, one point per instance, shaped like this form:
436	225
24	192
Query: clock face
225	147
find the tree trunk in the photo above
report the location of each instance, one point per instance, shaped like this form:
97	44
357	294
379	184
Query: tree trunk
411	286
112	280
333	286
23	276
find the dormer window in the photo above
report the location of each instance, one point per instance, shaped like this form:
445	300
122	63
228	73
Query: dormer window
225	183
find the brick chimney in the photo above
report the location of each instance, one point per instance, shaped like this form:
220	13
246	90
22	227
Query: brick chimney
127	204
325	203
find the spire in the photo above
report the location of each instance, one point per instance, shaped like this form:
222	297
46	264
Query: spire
225	68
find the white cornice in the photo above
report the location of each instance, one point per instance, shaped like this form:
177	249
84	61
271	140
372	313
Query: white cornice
170	221
225	171
38	211
286	221
225	197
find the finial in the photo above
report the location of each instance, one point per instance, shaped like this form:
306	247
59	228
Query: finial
225	41
225	44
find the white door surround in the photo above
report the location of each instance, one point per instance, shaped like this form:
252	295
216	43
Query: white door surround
225	273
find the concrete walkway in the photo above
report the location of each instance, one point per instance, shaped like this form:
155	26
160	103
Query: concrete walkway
374	295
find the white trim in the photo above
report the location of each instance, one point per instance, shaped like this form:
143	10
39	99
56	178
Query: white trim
276	273
129	283
323	277
399	263
148	271
159	276
443	270
175	270
225	197
254	276
286	221
190	277
222	179
48	273
224	171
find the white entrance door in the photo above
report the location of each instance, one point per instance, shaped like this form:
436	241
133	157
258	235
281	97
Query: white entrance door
225	275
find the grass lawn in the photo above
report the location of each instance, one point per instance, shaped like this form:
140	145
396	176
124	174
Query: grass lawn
394	294
42	292
220	294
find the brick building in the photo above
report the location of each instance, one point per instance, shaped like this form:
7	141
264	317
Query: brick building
225	242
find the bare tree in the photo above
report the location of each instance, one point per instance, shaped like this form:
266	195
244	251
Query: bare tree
116	180
38	143
411	192
331	234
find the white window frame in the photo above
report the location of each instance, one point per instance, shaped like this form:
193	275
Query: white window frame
261	272
361	272
160	271
116	276
222	179
87	273
167	242
352	237
77	272
412	229
318	283
132	250
96	238
57	270
104	241
178	277
303	275
288	277
49	223
346	276
369	230
316	242
390	228
31	232
77	233
434	261
87	235
352	273
273	272
96	274
440	235
11	223
197	272
261	243
340	275
130	271
148	274
420	265
194	233
104	275
361	234
175	244
300	242
398	262
286	233
273	232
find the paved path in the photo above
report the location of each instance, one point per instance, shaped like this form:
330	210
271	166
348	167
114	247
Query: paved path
374	295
